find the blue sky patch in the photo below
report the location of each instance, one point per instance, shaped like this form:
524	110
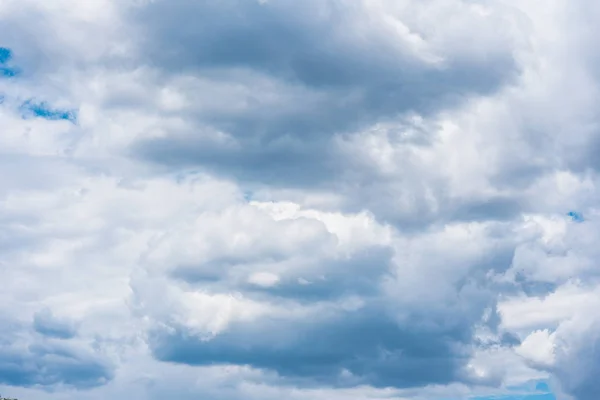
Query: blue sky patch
532	390
576	216
542	387
535	396
5	70
34	109
5	55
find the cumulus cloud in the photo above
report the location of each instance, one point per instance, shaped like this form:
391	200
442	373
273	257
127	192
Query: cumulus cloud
290	77
307	200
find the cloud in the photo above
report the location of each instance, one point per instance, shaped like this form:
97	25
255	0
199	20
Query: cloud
47	324
343	307
51	365
372	350
274	38
44	362
319	200
295	88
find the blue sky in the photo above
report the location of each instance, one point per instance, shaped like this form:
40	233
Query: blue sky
6	70
547	396
39	109
316	200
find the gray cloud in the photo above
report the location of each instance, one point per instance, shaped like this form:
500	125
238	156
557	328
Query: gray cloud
365	343
46	362
45	323
578	365
310	43
405	330
308	279
346	76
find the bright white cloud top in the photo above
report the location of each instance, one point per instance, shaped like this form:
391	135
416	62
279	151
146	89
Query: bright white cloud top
306	200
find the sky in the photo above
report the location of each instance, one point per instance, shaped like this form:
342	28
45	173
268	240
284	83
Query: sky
303	200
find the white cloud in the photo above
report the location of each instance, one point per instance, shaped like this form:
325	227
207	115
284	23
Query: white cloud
538	348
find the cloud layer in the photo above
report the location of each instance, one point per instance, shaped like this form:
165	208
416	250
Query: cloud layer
304	200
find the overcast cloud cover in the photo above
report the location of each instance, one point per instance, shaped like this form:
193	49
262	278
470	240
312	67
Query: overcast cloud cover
304	200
